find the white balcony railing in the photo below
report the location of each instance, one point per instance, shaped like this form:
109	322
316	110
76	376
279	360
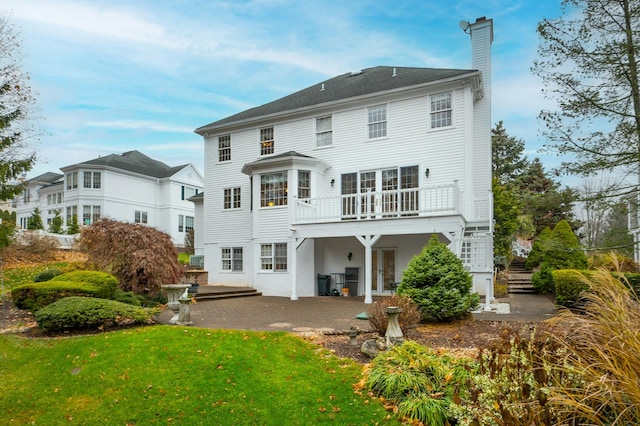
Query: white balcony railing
401	203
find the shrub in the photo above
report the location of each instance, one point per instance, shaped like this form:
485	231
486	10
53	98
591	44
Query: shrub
142	258
30	246
562	251
408	319
128	297
105	283
35	296
421	382
46	275
437	282
612	262
511	385
603	349
78	313
569	285
538	249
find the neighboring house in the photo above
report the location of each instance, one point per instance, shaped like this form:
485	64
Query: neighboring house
358	171
129	187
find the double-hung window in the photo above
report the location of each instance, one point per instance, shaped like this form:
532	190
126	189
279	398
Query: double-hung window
377	121
266	141
140	216
441	110
232	198
232	259
324	132
273	189
90	214
91	180
304	184
224	148
187	192
273	257
72	180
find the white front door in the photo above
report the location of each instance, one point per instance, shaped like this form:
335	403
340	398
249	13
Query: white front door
383	270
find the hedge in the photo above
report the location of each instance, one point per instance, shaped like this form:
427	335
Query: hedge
35	296
81	313
569	283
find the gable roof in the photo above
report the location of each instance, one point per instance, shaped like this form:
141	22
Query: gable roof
350	85
133	161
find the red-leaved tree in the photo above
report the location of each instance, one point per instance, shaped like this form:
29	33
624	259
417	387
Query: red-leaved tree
141	257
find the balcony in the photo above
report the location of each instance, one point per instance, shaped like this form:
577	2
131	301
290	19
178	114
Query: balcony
439	200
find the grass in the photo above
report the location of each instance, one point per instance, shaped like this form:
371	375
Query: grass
180	375
15	276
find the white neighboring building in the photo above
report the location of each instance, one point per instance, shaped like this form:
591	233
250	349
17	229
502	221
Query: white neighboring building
358	171
128	187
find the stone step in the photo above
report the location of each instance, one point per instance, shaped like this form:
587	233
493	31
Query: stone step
521	288
209	292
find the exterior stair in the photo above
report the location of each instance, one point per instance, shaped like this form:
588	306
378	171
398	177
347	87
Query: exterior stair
214	292
520	278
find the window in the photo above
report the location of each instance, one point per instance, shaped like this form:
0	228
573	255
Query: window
304	184
377	121
90	214
266	141
188	223
187	192
232	259
72	214
273	189
55	198
91	180
273	257
140	217
409	180
185	223
26	195
349	187
224	148
72	180
324	133
232	198
441	110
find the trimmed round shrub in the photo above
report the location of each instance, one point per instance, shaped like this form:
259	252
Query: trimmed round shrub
105	283
437	282
128	297
85	313
569	285
46	275
34	296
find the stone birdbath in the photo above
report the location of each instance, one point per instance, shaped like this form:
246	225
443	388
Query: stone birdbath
394	332
174	294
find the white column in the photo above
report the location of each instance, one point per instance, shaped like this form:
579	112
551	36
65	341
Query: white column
368	241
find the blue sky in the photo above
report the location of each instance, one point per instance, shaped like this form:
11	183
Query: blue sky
113	76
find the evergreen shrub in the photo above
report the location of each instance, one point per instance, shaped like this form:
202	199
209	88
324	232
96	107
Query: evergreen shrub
569	285
81	313
437	282
46	275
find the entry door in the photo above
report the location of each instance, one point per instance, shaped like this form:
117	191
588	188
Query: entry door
383	270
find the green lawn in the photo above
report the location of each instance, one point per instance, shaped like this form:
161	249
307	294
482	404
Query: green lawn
180	375
13	277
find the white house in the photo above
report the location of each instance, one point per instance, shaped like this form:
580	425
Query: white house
129	187
358	171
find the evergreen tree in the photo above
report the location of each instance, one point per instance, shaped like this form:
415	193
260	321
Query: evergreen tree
35	221
507	154
73	227
506	211
56	223
16	104
437	282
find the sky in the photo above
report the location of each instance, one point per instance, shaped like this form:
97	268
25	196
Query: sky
112	76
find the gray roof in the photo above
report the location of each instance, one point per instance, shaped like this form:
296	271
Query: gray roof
345	86
48	177
135	161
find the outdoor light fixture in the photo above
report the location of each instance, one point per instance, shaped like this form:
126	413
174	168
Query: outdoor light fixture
349	256
426	172
333	182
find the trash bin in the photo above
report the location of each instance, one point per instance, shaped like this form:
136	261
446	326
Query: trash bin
324	282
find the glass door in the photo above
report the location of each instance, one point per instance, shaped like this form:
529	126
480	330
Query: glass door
383	270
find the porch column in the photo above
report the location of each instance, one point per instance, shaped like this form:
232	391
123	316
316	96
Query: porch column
296	242
368	241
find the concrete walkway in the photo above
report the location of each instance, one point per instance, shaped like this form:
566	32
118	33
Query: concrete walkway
328	313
